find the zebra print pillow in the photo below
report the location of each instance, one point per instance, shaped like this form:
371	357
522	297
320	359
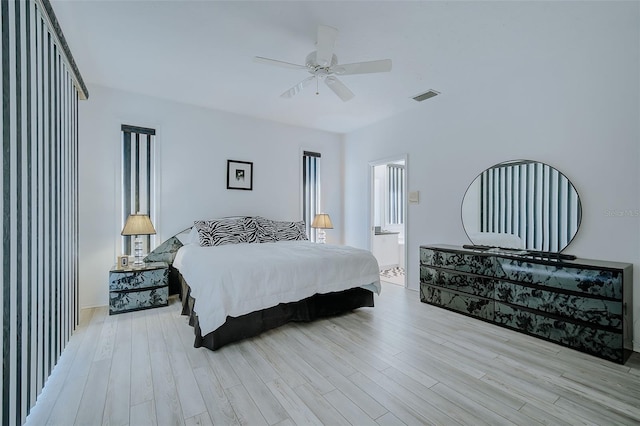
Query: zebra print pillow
266	230
251	230
272	230
220	232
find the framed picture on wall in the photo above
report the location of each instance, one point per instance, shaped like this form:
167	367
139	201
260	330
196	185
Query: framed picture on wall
239	175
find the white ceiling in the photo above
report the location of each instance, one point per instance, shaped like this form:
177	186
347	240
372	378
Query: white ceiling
200	52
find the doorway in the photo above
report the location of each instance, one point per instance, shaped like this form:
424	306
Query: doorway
388	217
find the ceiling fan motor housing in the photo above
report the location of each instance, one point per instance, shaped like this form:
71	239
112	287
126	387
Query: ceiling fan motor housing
319	70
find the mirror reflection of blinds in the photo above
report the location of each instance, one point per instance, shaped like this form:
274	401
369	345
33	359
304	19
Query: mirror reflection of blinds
310	189
533	201
395	193
138	145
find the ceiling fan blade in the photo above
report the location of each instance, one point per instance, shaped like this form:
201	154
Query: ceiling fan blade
383	65
326	43
277	63
339	88
298	87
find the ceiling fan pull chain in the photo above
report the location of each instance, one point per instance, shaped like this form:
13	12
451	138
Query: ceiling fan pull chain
317	88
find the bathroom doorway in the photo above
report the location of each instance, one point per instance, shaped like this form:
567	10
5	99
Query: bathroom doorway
388	207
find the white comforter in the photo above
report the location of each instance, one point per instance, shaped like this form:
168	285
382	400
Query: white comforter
236	279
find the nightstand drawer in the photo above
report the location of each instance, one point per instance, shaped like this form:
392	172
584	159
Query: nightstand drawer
125	301
151	275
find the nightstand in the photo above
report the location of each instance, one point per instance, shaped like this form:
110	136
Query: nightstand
133	289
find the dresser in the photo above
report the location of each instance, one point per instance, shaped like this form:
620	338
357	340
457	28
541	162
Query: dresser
132	289
583	304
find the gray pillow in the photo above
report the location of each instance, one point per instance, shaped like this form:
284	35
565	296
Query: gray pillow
165	252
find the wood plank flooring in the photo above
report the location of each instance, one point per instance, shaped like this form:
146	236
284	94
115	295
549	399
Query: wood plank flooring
402	362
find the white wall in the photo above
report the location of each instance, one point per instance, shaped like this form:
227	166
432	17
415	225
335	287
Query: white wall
379	188
563	90
194	145
471	208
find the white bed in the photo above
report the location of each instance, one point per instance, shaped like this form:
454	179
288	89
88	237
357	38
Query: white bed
237	279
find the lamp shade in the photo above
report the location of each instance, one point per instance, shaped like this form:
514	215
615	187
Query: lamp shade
138	224
322	221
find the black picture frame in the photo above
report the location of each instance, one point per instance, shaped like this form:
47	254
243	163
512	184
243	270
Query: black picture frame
240	175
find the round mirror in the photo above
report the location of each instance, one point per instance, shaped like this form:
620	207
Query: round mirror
522	204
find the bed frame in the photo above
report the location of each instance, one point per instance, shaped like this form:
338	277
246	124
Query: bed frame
254	323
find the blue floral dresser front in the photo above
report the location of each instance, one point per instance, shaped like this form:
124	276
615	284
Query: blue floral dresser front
582	304
132	289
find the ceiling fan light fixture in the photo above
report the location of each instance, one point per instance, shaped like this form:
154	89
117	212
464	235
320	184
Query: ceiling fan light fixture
426	95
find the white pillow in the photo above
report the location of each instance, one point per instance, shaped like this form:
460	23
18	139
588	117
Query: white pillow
189	236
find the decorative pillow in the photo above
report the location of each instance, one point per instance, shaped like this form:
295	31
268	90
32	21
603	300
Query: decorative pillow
193	237
220	232
266	230
251	229
293	231
189	236
272	230
165	252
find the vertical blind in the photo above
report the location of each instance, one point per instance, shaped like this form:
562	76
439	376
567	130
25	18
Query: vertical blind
39	127
395	192
310	189
138	171
531	200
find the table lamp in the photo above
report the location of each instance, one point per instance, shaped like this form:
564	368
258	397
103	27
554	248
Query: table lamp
138	224
321	222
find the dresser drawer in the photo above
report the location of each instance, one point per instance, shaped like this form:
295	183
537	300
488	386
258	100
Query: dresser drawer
456	281
596	282
591	310
464	262
606	344
475	306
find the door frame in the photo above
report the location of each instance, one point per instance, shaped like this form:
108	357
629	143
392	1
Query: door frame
372	165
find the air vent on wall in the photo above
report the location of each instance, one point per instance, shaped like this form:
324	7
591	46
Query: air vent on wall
426	95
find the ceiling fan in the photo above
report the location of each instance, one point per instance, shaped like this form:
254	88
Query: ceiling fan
322	64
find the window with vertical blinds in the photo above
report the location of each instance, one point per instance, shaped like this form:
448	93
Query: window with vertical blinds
41	87
395	194
138	180
310	189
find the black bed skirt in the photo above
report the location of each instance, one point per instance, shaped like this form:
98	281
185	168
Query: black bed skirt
254	323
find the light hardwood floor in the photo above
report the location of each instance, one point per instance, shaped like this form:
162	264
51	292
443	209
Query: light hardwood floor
402	362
